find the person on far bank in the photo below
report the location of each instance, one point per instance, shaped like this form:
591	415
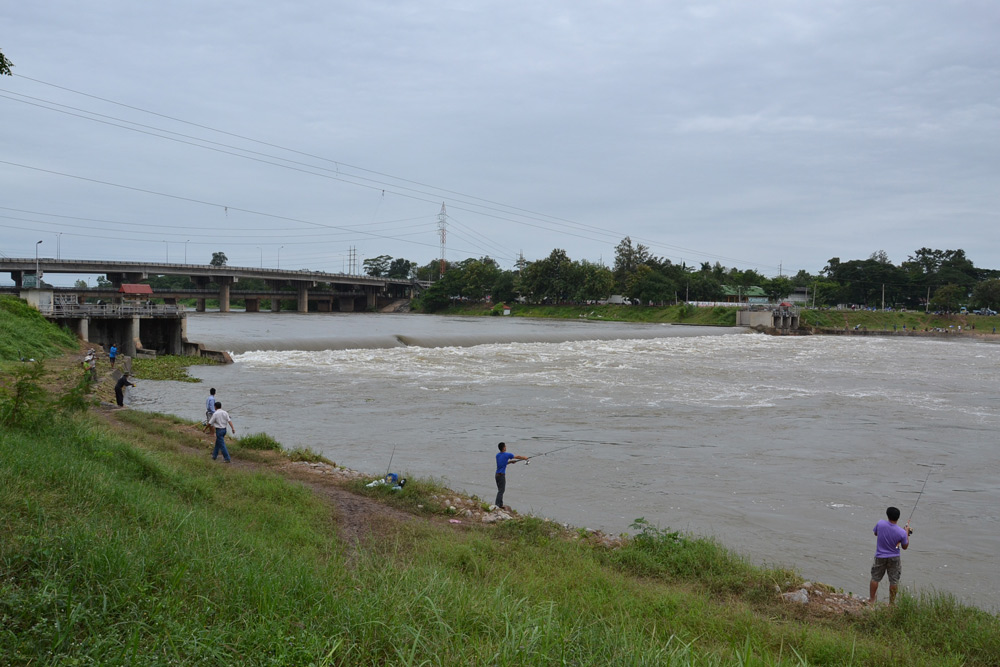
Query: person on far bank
889	537
218	421
503	458
209	408
123	382
113	354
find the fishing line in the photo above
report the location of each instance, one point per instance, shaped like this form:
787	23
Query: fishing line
920	493
551	451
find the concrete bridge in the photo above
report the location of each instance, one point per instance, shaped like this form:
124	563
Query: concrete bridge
347	292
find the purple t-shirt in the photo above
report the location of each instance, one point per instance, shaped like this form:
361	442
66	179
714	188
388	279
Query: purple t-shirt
889	536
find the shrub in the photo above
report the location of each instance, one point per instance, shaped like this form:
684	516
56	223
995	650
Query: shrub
260	441
21	399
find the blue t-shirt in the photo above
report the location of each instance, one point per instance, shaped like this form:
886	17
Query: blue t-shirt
503	458
210	404
113	352
889	537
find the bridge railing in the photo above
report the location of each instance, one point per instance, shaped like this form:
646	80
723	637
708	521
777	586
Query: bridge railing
109	309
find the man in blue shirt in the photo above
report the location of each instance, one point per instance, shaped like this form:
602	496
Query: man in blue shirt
209	409
888	539
503	458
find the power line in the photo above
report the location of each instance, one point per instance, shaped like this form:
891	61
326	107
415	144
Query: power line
550	223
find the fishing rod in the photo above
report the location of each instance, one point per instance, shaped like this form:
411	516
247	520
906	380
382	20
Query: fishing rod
551	451
390	461
920	493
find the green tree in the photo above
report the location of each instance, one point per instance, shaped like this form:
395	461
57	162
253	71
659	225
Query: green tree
80	284
431	270
479	276
598	282
219	259
628	258
948	298
401	268
987	294
778	288
802	279
376	267
503	288
551	279
5	65
104	283
650	286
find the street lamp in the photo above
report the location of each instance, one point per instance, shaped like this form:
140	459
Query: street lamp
58	239
167	246
261	257
186	250
38	281
279	257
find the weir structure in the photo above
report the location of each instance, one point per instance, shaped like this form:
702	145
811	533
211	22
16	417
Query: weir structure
137	328
783	318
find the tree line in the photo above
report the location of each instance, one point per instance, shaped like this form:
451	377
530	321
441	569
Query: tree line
942	280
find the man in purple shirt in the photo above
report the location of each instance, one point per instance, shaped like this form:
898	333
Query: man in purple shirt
888	539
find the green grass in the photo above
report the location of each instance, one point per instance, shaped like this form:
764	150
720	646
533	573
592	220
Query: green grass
168	367
120	546
726	316
25	333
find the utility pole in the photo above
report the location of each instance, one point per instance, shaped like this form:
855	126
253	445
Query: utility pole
443	230
883	297
38	279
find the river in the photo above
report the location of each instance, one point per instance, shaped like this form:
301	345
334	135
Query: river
787	449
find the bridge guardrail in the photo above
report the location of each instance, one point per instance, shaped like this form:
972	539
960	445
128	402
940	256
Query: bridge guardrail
109	310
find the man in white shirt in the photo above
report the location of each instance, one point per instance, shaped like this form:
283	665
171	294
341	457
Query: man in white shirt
219	420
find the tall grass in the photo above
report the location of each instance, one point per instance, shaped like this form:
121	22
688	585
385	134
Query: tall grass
25	333
119	548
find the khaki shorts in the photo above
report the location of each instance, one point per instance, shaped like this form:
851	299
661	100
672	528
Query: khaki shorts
894	566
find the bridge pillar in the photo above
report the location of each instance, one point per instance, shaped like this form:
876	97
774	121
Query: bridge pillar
275	304
224	284
370	299
200	306
324	305
253	305
17	277
303	297
345	304
124	277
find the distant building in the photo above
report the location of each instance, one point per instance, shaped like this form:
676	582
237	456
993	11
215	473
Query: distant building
751	294
135	292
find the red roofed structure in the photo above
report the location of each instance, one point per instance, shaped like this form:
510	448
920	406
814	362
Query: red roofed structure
136	290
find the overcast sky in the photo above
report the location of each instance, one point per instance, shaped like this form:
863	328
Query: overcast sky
759	134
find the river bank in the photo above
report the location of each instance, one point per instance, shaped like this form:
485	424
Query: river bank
813	320
122	528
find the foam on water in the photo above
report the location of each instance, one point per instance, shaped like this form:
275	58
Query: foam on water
775	444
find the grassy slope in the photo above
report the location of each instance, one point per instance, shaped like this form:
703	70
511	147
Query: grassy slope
25	333
119	546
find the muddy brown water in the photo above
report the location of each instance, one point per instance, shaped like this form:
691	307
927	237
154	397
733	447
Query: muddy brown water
787	449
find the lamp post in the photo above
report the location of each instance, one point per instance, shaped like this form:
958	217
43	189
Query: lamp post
58	244
38	281
167	246
186	250
279	257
